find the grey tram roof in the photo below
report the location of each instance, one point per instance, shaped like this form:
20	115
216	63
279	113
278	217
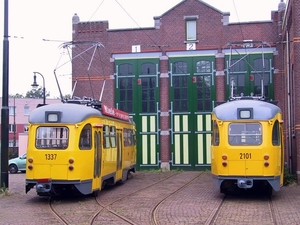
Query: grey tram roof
70	113
262	110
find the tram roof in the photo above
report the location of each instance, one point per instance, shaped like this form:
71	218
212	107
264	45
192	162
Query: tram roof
262	110
70	113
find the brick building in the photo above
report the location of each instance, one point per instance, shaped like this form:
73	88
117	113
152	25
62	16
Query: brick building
170	76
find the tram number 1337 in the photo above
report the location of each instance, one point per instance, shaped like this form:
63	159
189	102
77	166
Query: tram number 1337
50	156
245	155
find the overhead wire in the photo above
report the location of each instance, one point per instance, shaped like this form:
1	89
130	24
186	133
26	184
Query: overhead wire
262	45
155	44
95	46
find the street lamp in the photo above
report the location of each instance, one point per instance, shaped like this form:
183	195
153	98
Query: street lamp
35	85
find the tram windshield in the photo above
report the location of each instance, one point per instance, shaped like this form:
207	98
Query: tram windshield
245	134
52	137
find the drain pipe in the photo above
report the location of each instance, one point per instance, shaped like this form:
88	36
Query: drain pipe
289	100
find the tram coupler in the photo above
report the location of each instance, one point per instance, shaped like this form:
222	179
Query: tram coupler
245	183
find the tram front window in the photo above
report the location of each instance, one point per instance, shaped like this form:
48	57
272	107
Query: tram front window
245	134
52	137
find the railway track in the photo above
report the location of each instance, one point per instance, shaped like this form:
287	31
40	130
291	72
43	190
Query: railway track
154	219
108	205
250	209
166	199
62	208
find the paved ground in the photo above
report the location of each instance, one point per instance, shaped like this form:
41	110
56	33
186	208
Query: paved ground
197	201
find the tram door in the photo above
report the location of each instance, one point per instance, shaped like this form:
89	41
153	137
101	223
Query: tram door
119	154
97	157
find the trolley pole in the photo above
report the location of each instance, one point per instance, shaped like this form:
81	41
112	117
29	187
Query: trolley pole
4	109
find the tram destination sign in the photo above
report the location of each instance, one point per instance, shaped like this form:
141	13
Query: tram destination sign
113	112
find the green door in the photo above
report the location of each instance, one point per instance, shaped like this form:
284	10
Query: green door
250	74
137	92
191	95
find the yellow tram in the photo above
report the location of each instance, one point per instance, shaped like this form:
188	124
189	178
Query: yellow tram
79	146
247	146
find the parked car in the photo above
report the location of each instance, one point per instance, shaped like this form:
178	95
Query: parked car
17	164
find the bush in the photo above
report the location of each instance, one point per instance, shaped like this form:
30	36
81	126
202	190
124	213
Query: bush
288	178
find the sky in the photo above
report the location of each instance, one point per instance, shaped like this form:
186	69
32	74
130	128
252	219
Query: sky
38	28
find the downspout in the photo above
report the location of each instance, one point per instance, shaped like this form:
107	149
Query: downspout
289	100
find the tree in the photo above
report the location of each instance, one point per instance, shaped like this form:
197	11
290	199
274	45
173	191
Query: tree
38	93
67	96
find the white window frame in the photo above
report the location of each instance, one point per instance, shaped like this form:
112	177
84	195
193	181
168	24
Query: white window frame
191	28
12	110
26	110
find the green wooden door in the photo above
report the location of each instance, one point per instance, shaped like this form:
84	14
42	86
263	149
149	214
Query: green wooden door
248	74
192	91
137	92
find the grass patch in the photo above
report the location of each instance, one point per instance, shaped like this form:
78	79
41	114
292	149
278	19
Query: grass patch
4	191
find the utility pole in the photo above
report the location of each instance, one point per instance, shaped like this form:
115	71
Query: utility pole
4	109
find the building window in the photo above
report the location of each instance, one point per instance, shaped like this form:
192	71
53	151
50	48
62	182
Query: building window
204	98
180	68
237	76
260	74
203	66
126	69
11	128
26	110
12	110
148	69
180	94
126	79
25	128
191	28
10	143
148	94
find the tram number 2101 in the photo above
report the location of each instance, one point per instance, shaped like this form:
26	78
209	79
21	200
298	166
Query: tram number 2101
245	155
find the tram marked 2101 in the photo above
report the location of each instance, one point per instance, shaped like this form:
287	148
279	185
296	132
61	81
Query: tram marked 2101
79	146
247	146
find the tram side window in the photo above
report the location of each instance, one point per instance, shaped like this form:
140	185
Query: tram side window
85	140
216	134
113	136
128	137
276	134
52	138
134	137
106	135
245	134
